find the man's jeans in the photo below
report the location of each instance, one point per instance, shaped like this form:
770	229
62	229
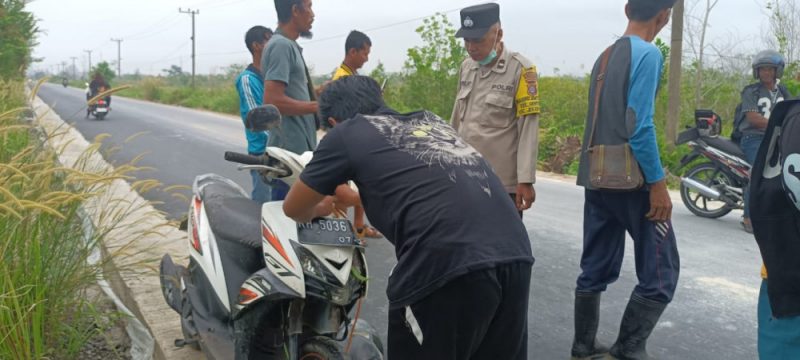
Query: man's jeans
750	144
262	192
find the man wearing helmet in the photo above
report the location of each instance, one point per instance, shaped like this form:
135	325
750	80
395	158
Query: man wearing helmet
758	101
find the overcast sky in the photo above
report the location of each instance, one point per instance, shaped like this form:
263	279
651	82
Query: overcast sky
555	34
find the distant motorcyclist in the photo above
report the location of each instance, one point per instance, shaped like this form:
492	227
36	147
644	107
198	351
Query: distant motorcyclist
98	85
64	82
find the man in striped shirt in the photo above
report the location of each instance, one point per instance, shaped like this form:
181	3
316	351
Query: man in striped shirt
250	85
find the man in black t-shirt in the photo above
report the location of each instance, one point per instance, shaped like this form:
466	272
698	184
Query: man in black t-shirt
461	284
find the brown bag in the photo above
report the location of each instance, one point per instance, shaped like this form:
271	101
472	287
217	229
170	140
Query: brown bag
611	167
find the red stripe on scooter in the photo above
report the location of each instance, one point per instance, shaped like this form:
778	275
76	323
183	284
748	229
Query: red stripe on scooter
273	240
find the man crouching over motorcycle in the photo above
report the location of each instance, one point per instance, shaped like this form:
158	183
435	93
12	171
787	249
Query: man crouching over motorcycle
461	284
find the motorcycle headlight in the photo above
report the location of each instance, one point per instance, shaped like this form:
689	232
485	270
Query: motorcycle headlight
309	263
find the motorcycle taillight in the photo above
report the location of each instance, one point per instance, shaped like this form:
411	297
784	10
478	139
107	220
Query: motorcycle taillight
101	102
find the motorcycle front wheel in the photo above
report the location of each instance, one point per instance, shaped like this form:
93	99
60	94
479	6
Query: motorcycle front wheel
702	206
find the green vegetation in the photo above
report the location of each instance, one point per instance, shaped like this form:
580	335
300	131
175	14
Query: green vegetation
429	80
46	307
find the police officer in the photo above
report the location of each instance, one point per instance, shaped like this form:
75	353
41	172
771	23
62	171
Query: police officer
497	105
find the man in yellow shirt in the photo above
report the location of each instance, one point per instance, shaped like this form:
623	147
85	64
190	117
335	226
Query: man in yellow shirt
356	50
356	54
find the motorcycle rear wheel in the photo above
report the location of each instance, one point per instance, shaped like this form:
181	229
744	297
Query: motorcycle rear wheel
700	205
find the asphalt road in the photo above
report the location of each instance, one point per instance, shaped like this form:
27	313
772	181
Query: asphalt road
713	315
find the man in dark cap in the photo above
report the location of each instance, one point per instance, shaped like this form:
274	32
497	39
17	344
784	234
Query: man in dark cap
497	105
622	95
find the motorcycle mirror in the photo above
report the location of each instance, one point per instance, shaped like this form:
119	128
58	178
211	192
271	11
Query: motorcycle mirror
263	118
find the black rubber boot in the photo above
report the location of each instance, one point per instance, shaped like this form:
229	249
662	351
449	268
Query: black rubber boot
587	318
638	322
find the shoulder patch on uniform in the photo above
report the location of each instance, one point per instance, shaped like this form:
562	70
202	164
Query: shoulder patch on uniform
527	99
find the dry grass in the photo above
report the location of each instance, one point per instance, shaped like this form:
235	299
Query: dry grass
45	243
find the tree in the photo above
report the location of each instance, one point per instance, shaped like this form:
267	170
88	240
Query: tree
104	68
174	71
431	70
784	24
696	31
17	37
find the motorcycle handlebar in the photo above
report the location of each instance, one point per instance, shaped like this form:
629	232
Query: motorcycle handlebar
245	159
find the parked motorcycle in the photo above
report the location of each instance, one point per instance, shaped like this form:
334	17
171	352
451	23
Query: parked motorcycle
261	286
99	109
715	186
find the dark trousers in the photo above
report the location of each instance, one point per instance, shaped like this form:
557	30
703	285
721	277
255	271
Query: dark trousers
514	200
480	315
606	218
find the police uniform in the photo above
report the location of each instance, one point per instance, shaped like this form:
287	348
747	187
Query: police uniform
497	109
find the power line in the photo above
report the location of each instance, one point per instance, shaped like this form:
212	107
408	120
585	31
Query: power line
157	30
381	27
155	24
333	37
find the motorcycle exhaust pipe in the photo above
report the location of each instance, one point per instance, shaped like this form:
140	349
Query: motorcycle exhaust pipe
701	188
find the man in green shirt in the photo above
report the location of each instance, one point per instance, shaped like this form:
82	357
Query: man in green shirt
286	82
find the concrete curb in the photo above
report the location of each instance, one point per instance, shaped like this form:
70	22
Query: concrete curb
141	238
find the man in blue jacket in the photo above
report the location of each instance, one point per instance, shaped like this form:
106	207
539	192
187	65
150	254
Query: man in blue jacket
250	85
625	115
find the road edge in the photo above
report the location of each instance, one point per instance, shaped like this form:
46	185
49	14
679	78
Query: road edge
142	237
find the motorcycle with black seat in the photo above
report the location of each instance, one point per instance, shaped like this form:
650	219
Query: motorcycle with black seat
261	286
715	186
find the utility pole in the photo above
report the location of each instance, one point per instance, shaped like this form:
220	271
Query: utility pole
90	62
119	56
193	13
73	67
676	53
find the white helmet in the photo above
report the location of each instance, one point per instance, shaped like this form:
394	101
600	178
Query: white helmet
769	58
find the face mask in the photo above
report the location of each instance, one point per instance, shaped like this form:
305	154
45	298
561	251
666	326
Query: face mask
492	55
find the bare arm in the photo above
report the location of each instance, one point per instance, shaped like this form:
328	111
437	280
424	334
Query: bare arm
275	94
757	120
303	204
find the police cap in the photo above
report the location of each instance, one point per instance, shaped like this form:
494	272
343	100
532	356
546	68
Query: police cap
477	20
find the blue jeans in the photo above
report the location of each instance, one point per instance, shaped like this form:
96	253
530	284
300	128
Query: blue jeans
262	192
777	338
279	190
750	144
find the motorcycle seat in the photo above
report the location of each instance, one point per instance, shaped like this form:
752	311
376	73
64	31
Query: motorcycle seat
725	145
233	217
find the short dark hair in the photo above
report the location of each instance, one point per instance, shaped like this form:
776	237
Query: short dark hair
255	34
356	40
645	10
349	96
284	9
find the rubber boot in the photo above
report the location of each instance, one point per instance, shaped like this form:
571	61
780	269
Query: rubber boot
587	318
638	322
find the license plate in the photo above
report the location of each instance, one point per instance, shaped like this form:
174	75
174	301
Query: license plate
329	232
101	110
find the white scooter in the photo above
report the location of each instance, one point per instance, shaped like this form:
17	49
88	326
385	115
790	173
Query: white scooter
261	286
